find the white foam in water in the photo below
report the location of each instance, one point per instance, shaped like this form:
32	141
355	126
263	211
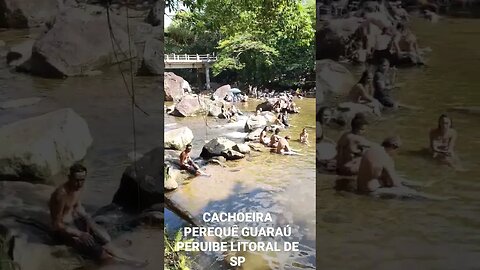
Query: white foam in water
236	135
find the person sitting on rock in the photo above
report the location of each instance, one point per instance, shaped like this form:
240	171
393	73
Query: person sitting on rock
283	146
363	91
442	143
187	163
225	112
351	146
274	138
304	136
71	224
263	136
377	168
383	86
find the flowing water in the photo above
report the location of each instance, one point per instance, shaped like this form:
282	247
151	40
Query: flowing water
262	182
357	232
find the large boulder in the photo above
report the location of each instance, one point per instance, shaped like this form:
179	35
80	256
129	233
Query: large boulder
152	59
142	183
222	92
27	13
331	37
255	122
242	148
216	147
80	42
254	135
25	229
178	138
173	86
188	106
40	147
333	78
265	106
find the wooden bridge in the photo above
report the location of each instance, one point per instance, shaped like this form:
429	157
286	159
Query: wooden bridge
196	61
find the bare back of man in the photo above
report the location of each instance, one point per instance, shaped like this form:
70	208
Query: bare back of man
283	146
376	170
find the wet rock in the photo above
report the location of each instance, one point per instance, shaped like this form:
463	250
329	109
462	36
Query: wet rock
37	148
258	147
19	54
155	15
22	102
173	86
218	161
232	154
254	135
188	106
333	78
242	148
265	106
142	185
216	147
178	138
347	110
215	109
152	62
222	92
78	42
26	14
255	122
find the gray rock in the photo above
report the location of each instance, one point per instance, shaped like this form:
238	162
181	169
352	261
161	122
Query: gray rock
178	138
333	78
152	63
232	154
222	92
265	106
188	106
78	42
242	148
173	86
255	122
216	147
254	135
40	147
27	13
19	54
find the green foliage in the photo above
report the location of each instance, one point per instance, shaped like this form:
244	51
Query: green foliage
263	42
174	260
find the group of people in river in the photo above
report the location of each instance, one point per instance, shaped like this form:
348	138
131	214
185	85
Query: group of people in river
372	164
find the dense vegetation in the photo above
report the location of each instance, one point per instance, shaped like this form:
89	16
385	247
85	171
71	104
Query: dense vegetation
258	42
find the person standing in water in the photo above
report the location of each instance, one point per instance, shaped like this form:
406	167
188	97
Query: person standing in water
442	142
350	147
362	93
70	222
187	163
377	167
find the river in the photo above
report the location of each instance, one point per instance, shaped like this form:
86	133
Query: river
263	182
357	232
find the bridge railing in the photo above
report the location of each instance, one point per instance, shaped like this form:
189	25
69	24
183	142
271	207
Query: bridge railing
190	57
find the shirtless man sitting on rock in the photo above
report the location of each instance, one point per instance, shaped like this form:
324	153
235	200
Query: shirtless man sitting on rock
377	168
71	224
187	163
350	147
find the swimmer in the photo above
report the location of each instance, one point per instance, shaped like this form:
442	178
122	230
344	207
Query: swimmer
304	136
442	143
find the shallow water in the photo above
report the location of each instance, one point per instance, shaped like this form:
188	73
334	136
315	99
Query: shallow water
356	232
262	182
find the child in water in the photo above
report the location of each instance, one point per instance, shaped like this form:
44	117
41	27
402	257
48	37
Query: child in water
304	136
